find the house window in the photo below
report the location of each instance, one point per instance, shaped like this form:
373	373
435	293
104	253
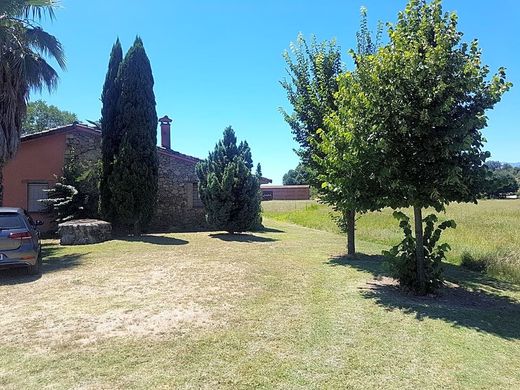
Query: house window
196	197
35	192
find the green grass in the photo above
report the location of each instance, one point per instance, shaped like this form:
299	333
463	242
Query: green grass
487	233
281	309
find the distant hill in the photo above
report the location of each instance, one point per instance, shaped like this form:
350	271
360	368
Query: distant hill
515	164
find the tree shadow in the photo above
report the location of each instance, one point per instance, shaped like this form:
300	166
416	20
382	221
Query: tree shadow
467	300
156	240
266	229
248	238
52	261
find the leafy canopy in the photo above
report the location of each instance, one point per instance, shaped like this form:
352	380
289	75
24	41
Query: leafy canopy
427	96
42	116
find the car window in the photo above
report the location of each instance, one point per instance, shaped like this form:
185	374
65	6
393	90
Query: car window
11	221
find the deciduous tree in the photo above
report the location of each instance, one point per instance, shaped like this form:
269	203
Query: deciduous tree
42	116
428	102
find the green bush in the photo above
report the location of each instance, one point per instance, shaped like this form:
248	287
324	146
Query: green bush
76	194
401	259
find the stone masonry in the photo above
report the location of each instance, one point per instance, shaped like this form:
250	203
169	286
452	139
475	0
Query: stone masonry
176	209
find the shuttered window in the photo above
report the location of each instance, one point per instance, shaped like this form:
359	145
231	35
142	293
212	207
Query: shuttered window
196	197
35	192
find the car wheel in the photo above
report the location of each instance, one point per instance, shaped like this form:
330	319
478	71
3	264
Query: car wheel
35	269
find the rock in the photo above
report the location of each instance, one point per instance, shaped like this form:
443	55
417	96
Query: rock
84	231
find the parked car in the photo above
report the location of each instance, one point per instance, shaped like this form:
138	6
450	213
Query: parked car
19	240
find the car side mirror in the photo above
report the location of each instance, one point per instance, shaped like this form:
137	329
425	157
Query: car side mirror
38	223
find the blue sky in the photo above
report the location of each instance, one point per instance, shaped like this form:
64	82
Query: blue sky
219	63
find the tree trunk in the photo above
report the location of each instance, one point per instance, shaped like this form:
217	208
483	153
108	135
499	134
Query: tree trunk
419	249
137	229
351	232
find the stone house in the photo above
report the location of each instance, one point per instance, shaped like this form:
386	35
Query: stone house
42	156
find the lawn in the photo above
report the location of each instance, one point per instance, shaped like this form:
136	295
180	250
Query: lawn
278	309
488	231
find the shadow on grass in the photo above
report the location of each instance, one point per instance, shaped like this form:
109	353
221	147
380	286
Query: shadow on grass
467	300
266	229
249	238
156	240
52	262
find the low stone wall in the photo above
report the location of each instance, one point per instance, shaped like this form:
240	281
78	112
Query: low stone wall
84	231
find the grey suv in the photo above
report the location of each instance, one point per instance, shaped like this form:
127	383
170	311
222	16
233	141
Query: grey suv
19	240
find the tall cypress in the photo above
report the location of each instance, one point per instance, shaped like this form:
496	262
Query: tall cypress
110	136
228	189
133	181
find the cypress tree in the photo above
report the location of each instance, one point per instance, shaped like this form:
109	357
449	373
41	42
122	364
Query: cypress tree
258	171
228	189
133	181
110	136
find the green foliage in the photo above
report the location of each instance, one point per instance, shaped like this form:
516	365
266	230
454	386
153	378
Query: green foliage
111	129
258	172
297	176
313	72
25	49
502	179
402	257
42	116
346	159
133	180
426	99
76	194
228	189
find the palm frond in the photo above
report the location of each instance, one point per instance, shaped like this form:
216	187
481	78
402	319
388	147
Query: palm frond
39	74
46	44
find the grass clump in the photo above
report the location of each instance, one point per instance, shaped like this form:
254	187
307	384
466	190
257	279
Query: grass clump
501	263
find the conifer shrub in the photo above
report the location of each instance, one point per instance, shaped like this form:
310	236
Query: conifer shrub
228	189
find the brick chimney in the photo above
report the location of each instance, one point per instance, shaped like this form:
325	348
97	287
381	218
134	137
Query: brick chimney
165	132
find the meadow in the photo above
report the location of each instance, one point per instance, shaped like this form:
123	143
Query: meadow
487	235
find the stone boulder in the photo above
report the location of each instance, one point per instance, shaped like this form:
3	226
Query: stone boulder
84	231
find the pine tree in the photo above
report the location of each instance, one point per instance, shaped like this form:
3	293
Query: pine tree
111	134
133	180
228	189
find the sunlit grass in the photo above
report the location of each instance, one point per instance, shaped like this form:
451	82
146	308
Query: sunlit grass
489	231
279	309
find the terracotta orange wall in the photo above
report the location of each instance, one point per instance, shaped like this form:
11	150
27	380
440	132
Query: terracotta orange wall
37	160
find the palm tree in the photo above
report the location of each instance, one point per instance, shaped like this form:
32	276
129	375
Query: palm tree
24	50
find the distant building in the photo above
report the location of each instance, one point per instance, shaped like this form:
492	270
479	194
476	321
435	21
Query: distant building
291	192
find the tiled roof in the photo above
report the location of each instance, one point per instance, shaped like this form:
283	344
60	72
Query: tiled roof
96	131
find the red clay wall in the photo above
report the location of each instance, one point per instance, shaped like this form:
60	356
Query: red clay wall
37	160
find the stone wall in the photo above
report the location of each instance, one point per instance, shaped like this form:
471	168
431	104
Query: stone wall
84	145
177	180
